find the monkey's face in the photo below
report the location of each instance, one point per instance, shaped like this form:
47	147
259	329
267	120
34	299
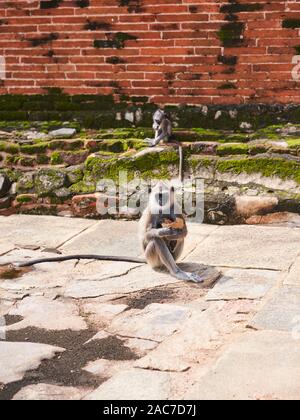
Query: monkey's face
162	199
157	119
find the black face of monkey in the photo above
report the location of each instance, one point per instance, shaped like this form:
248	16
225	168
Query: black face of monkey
157	119
163	199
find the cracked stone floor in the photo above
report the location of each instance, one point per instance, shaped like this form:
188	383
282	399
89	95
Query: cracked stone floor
103	330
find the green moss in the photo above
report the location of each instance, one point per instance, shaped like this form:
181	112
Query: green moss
56	158
49	180
74	174
26	161
11	148
268	167
25	198
25	183
83	187
12	174
207	134
115	146
12	160
294	143
151	165
42	159
198	162
257	149
233	149
136	144
32	149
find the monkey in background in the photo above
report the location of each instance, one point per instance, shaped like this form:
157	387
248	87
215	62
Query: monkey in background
163	132
162	127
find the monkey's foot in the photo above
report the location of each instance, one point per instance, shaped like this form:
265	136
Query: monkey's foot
150	142
182	275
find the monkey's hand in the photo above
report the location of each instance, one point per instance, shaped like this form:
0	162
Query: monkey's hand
169	232
195	278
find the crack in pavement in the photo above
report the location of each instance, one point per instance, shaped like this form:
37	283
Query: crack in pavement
78	234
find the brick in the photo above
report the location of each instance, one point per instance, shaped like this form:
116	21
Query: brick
173	60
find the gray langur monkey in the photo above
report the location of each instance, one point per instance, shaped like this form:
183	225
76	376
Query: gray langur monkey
162	233
162	127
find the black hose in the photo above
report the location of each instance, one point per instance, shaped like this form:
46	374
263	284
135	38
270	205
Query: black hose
80	257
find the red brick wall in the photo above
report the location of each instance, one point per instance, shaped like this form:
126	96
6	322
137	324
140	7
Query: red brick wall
177	56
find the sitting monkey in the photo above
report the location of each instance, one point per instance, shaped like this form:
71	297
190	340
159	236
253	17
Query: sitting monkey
162	127
162	230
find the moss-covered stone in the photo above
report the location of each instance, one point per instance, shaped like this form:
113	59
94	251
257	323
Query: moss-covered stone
294	143
56	158
66	144
74	174
150	165
11	148
83	187
114	146
33	149
26	198
49	180
42	159
197	163
25	183
267	167
233	149
26	161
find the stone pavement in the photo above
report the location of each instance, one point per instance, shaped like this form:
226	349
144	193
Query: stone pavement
107	330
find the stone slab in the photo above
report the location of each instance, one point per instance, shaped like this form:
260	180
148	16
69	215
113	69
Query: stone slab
43	231
259	365
282	312
136	278
18	358
249	247
108	237
41	312
48	392
243	284
293	278
134	384
155	322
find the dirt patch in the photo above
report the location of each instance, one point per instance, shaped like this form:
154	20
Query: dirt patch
12	319
142	299
9	272
66	368
180	293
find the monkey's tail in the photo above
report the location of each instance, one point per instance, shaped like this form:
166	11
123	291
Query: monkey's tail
181	175
80	257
